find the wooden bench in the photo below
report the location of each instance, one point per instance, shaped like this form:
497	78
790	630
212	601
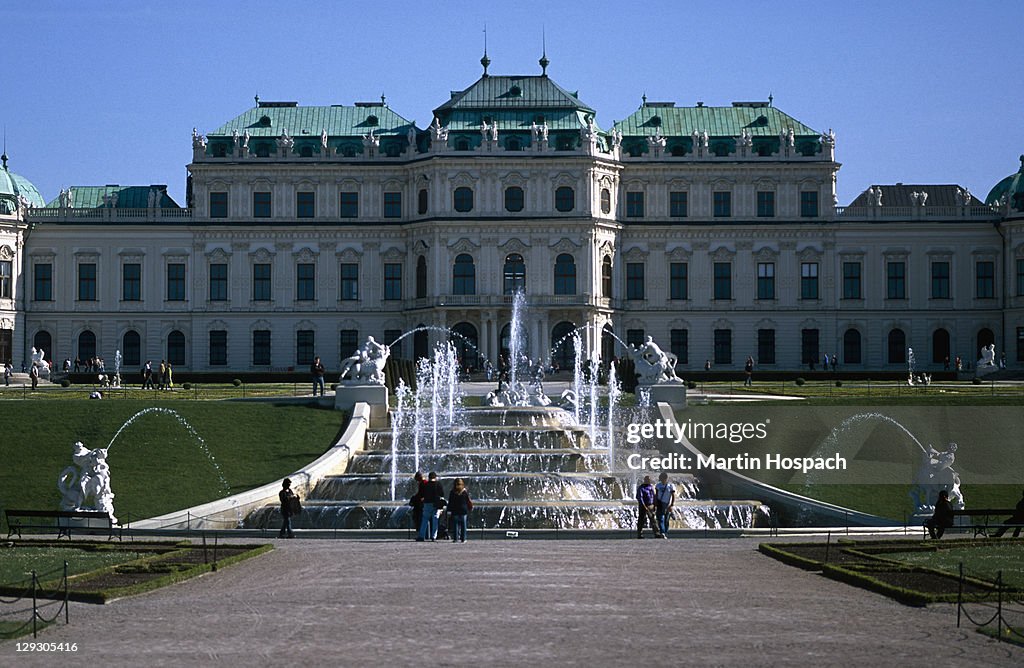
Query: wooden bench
985	519
61	520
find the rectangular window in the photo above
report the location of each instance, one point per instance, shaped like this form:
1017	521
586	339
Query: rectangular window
678	281
1020	344
851	280
305	347
808	280
392	205
766	346
678	202
809	204
305	204
634	280
809	346
985	279
261	290
349	206
176	282
261	205
43	280
396	348
6	279
218	347
896	280
679	342
634	205
305	282
87	282
131	282
261	347
723	346
723	280
349	281
349	342
766	204
766	280
392	281
1020	278
940	280
722	200
218	282
635	337
218	205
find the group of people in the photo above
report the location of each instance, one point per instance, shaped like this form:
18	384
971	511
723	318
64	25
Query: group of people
943	518
429	506
91	365
654	505
161	378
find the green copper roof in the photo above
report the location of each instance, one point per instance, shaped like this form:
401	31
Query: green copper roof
13	186
557	119
1012	187
511	93
269	120
672	121
128	197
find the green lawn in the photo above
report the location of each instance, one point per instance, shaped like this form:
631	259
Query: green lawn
16	563
159	463
981	562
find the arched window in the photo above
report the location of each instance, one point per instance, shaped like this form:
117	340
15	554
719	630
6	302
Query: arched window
176	348
420	344
565	275
422	201
86	345
505	340
131	346
606	277
464	275
940	346
514	274
565	199
897	347
463	198
43	341
606	200
607	343
466	340
985	339
514	199
563	351
851	347
421	277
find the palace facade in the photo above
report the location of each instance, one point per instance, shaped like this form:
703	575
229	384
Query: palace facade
715	230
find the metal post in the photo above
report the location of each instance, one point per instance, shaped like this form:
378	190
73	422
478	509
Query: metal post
35	611
999	604
66	599
828	545
959	594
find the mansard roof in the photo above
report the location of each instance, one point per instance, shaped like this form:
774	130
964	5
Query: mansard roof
759	119
900	195
128	197
514	102
270	119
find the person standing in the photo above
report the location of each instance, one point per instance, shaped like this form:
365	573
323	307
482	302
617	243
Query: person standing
942	518
160	374
317	369
33	373
417	502
645	509
433	501
8	372
290	507
665	499
147	375
748	368
169	377
459	505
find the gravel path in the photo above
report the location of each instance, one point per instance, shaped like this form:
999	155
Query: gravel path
515	603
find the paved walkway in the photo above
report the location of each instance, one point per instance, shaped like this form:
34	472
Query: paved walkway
515	603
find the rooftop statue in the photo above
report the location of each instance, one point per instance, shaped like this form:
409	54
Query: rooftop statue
323	139
438	133
198	140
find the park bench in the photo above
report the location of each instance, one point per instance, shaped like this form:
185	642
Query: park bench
64	521
982	520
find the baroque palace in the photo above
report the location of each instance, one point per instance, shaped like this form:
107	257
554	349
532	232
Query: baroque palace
713	229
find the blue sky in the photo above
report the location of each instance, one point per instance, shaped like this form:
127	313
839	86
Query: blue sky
108	92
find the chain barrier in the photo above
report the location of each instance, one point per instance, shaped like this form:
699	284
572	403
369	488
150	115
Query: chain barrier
58	597
1005	602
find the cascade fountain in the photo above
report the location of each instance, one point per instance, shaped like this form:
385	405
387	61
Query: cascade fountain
526	462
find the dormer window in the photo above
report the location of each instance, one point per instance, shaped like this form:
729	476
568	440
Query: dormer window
656	121
372	120
265	121
515	91
539	119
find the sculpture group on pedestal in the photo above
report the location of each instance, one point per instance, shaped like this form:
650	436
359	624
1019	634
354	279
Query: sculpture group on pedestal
366	365
86	485
933	476
653	365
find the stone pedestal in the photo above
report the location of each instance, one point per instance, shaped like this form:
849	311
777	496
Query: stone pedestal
347	396
673	394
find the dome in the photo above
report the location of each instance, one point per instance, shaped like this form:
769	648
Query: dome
13	186
1012	188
